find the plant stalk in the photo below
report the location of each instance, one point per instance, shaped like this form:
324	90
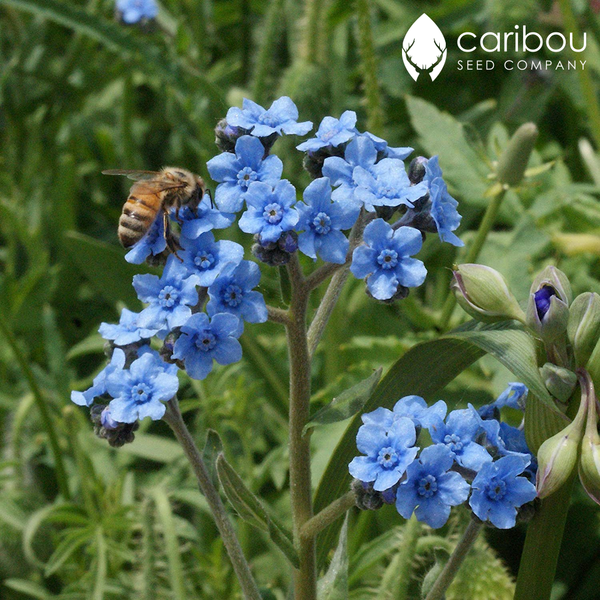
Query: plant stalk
455	561
240	566
489	218
305	577
328	515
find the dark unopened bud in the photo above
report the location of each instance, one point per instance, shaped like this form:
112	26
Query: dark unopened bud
226	135
385	212
560	382
484	294
513	162
401	293
548	307
366	497
313	161
276	254
584	326
416	169
105	427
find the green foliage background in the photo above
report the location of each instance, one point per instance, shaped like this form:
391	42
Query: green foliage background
80	93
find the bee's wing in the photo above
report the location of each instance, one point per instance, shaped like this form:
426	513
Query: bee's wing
154	186
133	174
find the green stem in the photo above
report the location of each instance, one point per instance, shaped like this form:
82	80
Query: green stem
305	577
542	546
406	556
61	474
264	57
489	218
369	67
309	47
456	559
328	515
585	78
240	566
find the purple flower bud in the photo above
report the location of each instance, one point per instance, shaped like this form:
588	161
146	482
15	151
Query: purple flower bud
542	300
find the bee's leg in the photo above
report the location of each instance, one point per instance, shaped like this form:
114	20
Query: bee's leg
210	196
177	217
172	243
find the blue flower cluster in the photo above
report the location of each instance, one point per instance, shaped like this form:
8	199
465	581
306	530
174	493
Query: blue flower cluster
134	11
472	458
197	307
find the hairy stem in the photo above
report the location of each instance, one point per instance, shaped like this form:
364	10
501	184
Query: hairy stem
456	559
305	577
240	566
406	556
489	218
328	515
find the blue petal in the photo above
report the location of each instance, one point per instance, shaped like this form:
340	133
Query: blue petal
225	166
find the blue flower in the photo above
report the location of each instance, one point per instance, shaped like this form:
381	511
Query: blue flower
430	488
153	243
360	152
443	205
169	297
332	132
232	293
205	218
514	396
282	117
388	453
202	341
98	388
127	331
415	408
386	184
207	258
133	11
498	491
270	211
106	419
384	150
385	259
237	171
459	432
141	390
322	220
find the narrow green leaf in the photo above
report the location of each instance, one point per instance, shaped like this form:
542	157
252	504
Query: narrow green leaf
212	448
71	542
165	516
31	589
250	508
153	447
347	404
101	566
284	285
334	584
372	552
546	422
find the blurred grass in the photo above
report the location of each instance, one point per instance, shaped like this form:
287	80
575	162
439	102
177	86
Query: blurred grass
80	93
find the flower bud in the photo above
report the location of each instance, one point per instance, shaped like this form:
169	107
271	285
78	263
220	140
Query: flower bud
548	307
557	455
483	293
226	135
589	462
584	326
514	159
560	382
416	169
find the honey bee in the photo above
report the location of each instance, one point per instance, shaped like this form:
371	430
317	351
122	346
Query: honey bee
153	193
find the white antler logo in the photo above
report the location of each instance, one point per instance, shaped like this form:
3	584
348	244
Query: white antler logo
424	49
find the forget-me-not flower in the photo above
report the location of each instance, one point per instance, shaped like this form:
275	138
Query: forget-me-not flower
281	117
202	340
141	390
385	259
127	331
459	433
430	490
133	11
169	297
388	453
321	222
203	219
98	388
232	292
332	132
270	211
206	258
153	243
235	172
498	491
386	151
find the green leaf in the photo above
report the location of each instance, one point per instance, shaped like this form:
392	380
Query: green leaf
71	542
347	404
334	584
33	590
212	448
105	268
153	447
440	133
131	48
372	552
250	508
